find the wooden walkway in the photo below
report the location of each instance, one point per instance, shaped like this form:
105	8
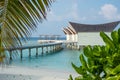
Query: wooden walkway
48	46
53	47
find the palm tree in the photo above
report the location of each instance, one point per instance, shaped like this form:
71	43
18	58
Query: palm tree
17	19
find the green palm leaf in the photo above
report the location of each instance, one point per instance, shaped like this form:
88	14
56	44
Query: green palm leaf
18	18
107	39
115	37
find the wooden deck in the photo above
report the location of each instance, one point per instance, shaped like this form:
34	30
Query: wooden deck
35	46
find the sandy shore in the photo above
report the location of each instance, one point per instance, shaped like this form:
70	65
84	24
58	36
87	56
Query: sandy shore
20	73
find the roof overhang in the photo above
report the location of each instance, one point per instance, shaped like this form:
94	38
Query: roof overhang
106	27
72	30
67	31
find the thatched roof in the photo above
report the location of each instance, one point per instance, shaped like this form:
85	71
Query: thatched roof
107	27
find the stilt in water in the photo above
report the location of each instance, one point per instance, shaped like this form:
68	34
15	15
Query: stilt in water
29	52
21	54
42	50
47	49
50	48
53	48
36	52
10	52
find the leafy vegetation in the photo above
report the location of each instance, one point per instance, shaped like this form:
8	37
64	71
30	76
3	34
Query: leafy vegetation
17	19
101	62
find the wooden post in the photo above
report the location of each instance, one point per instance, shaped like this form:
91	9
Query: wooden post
36	51
10	52
71	45
21	54
47	49
42	50
59	46
56	47
29	52
53	48
50	48
77	46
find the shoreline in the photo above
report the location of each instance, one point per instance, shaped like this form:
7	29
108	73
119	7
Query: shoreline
16	73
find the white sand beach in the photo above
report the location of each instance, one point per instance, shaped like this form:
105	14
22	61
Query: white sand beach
22	73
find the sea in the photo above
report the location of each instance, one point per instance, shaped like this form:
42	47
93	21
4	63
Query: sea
60	60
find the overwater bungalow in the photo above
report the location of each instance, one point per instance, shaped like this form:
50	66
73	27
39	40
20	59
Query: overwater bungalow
88	34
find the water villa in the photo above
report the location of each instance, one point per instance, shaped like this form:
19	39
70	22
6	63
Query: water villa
87	34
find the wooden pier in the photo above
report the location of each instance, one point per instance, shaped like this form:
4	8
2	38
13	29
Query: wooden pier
53	47
46	46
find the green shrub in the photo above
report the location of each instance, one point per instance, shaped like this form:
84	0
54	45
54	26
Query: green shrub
102	62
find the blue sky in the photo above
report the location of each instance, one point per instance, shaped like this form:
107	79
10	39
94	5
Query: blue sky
80	11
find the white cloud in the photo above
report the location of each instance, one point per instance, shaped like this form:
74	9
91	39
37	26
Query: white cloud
53	17
109	12
72	13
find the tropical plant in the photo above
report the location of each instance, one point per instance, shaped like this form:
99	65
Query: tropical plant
101	62
17	19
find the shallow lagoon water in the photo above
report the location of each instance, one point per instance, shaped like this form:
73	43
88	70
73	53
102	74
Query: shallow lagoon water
58	61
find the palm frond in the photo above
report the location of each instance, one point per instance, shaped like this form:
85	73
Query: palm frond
18	18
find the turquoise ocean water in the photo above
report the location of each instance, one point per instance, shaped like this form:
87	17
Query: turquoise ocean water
59	60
